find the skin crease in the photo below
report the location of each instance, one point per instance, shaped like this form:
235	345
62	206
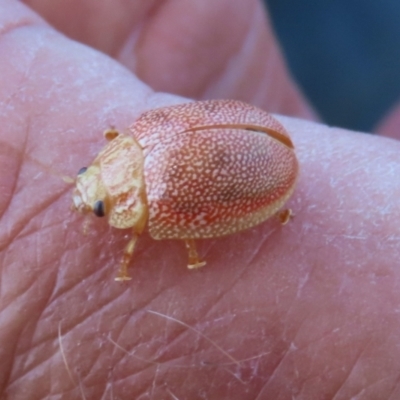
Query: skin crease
305	311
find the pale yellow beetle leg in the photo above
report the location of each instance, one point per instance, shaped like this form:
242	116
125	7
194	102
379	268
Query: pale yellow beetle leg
194	259
285	216
126	258
111	134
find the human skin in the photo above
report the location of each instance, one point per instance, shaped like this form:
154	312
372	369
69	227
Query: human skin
309	310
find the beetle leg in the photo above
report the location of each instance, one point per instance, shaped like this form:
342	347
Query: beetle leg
285	216
110	134
126	258
85	225
194	259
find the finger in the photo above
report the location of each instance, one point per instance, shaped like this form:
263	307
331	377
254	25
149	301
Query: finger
101	25
390	124
200	49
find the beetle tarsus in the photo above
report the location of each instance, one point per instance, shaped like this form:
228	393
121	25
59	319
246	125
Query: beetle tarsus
194	259
111	134
122	276
285	216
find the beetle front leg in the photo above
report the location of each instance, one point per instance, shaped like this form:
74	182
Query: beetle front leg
126	258
194	259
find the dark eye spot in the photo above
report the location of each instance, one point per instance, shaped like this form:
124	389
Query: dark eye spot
98	208
82	170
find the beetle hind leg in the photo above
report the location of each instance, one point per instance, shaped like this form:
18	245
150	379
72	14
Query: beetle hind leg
194	259
126	258
285	216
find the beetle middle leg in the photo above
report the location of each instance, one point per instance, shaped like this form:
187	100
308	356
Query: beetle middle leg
194	259
126	258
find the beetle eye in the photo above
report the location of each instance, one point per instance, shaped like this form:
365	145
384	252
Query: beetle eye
98	208
82	170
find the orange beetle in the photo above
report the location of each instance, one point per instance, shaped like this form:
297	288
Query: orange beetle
197	170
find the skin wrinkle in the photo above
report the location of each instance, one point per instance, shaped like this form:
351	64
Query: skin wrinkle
295	298
50	226
85	317
18	334
78	388
142	308
16	26
127	354
351	369
289	352
32	369
162	364
24	293
57	293
50	359
66	290
396	385
272	376
135	375
172	395
217	300
263	242
372	384
200	335
211	308
166	362
105	305
171	343
56	396
109	388
311	342
154	382
34	317
4	382
92	367
229	287
363	388
17	174
45	339
19	228
317	376
22	152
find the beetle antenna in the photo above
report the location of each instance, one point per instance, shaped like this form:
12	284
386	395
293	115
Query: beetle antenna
67	179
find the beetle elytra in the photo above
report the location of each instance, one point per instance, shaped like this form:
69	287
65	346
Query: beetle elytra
198	170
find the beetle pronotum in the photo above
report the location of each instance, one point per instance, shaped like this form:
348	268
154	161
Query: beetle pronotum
197	170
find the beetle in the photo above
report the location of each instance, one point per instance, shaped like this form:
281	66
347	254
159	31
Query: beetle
204	169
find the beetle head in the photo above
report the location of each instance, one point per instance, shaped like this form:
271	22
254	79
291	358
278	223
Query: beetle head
113	186
90	194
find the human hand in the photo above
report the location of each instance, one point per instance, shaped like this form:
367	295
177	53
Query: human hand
306	311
